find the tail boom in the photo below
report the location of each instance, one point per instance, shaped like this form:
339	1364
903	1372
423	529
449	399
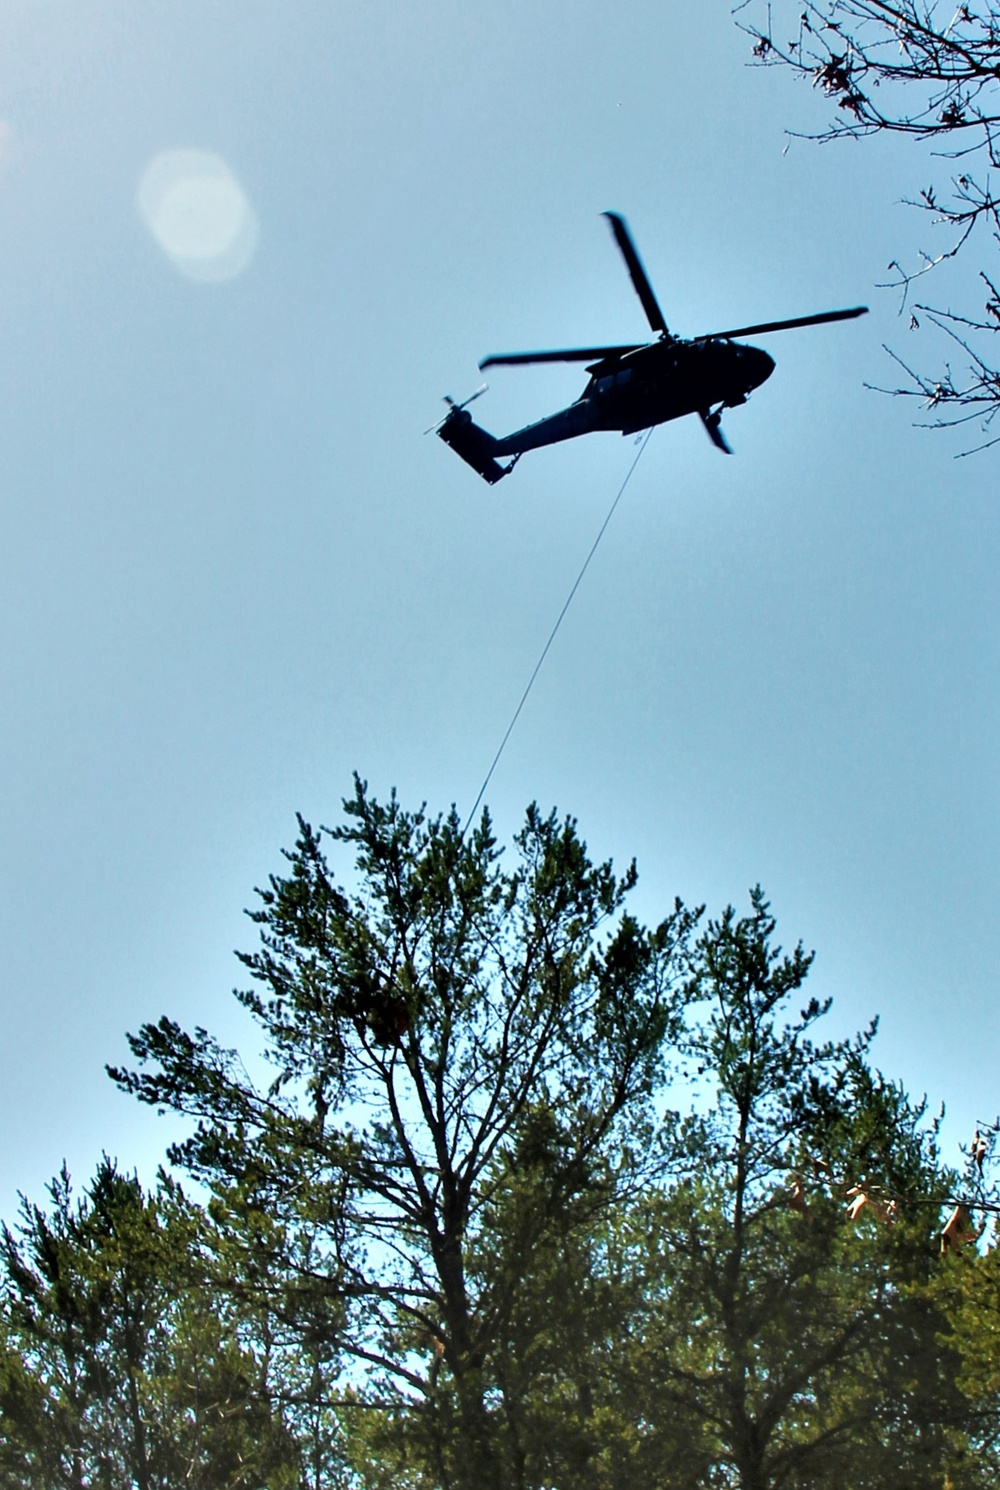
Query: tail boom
479	449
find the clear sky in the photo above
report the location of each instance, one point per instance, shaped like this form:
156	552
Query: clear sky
234	570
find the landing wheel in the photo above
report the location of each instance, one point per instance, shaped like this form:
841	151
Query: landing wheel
712	420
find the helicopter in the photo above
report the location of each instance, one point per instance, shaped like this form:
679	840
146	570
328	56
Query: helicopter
634	386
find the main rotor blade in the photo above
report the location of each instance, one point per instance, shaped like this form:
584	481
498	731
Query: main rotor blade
826	315
644	289
573	354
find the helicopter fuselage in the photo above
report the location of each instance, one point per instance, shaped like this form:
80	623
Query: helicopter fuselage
651	385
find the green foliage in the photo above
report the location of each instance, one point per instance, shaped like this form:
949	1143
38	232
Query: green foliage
463	1060
117	1369
790	1337
459	1239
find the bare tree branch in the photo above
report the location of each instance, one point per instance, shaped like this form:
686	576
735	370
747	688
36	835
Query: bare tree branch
930	71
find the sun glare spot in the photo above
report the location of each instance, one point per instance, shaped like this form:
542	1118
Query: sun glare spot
198	213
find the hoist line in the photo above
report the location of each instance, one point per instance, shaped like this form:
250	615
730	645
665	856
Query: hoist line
552	634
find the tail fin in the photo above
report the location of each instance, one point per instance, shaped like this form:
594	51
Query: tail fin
473	444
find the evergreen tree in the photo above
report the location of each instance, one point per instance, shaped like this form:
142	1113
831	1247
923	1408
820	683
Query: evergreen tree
783	1312
118	1369
463	1058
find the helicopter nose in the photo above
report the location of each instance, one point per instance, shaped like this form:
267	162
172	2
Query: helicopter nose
759	366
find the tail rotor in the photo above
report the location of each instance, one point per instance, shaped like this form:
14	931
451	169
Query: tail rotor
476	446
454	408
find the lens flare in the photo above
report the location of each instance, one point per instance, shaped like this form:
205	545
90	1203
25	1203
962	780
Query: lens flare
198	213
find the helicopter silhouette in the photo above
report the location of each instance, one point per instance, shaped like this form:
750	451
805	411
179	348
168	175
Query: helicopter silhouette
633	386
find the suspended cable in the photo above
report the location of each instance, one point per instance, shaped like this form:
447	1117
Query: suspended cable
553	632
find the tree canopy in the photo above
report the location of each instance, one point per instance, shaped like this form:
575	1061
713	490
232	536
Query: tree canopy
463	1059
118	1367
518	1193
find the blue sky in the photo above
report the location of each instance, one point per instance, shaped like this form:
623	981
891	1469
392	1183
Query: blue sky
234	570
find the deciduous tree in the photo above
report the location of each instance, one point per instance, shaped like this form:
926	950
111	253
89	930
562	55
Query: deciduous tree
930	71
